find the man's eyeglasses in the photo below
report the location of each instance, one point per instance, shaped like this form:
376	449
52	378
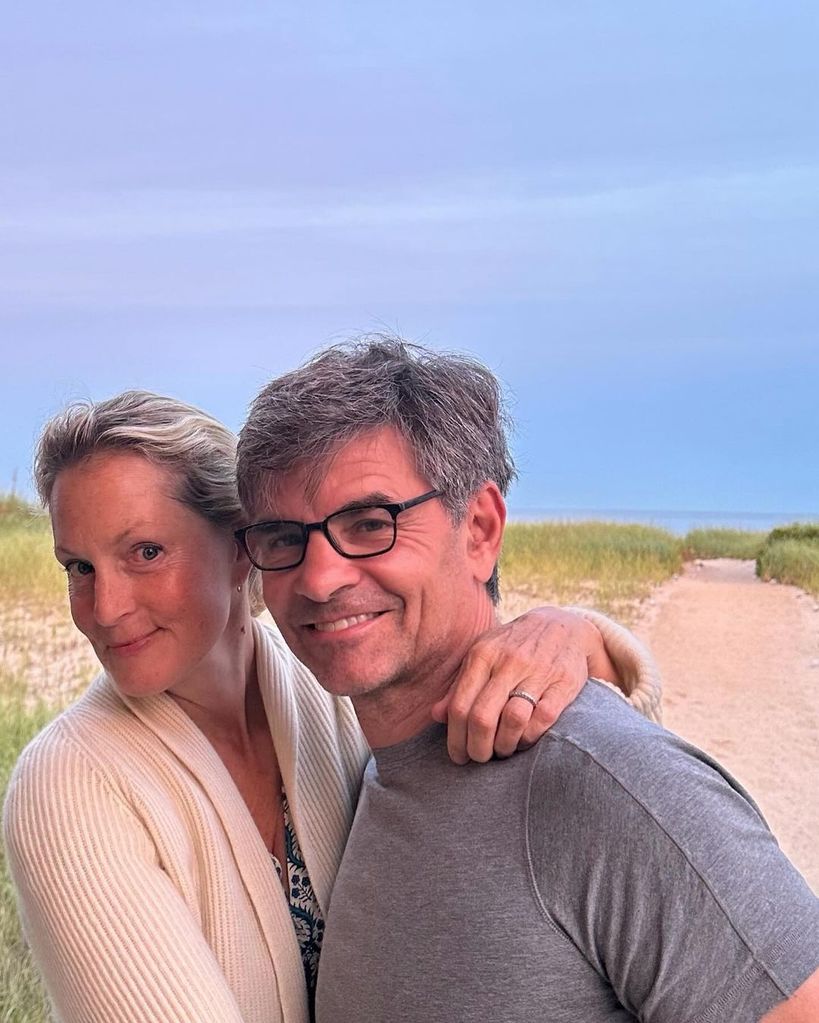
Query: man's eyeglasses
362	531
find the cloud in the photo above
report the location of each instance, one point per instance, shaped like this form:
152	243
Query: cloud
133	215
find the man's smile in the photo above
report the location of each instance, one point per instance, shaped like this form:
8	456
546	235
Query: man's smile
340	624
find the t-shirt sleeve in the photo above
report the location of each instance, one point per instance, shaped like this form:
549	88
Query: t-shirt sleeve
662	872
112	936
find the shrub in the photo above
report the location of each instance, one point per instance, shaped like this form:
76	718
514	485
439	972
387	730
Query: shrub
804	531
790	560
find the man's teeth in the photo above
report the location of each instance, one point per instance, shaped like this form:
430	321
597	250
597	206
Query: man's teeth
343	623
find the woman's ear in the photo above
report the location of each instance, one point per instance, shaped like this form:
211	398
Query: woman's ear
485	522
241	565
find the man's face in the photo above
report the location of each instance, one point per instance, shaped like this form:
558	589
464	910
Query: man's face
405	615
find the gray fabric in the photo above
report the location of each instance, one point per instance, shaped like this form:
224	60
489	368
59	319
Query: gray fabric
610	873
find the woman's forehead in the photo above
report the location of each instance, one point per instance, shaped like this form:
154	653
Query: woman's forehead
112	485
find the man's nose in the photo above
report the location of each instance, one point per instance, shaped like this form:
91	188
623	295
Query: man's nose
113	597
324	571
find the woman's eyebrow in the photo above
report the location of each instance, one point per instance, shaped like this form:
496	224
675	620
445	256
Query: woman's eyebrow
128	533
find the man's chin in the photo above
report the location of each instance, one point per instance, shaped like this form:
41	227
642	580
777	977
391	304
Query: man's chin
346	672
347	679
348	684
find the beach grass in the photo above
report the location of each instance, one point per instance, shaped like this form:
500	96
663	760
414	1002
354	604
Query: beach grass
791	555
28	570
723	543
606	565
22	999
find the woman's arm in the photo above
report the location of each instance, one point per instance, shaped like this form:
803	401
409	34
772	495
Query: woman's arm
637	674
111	934
548	653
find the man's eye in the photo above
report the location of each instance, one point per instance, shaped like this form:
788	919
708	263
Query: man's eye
150	551
371	525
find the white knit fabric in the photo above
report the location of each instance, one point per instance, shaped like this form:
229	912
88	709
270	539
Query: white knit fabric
145	890
639	675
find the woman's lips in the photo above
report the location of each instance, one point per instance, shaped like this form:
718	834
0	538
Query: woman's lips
132	646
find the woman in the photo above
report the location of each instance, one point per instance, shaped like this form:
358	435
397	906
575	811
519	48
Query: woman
174	835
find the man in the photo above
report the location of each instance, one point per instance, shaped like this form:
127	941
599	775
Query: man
609	873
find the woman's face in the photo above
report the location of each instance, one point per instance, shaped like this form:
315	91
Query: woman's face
152	584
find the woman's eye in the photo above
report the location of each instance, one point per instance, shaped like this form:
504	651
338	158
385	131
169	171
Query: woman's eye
78	569
150	551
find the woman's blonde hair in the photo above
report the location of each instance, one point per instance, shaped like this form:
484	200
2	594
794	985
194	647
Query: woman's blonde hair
198	451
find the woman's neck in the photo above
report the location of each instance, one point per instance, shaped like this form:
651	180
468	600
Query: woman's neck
223	700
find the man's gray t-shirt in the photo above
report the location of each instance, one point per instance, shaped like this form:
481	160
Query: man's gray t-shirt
612	872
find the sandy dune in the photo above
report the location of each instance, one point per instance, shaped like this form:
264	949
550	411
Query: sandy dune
740	663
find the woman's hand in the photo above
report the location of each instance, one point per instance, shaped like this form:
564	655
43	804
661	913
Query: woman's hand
548	653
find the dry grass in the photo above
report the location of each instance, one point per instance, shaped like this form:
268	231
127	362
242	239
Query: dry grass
605	565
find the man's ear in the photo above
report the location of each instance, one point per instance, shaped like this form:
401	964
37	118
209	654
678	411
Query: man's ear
485	521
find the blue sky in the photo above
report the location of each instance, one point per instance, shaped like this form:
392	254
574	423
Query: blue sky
614	205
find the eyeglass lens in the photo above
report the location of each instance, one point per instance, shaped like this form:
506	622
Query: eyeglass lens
357	532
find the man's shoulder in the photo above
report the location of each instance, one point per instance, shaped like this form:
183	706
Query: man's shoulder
601	719
637	840
610	737
603	759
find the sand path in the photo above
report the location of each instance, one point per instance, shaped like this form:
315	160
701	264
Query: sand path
740	665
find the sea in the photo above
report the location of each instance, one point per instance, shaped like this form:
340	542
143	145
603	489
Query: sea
677	522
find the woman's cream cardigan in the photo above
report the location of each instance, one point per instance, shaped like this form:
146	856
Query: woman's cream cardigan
145	890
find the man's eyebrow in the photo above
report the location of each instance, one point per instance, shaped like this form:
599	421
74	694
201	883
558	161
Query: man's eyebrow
376	497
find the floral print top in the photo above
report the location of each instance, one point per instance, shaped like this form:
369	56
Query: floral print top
304	907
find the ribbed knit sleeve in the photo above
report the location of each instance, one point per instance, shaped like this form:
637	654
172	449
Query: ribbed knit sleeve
640	677
114	938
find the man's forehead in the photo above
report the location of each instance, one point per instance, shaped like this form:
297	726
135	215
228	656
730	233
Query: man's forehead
374	465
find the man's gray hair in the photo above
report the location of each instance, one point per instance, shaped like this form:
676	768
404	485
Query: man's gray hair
448	407
198	451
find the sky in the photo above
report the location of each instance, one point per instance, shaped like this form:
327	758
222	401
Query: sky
615	206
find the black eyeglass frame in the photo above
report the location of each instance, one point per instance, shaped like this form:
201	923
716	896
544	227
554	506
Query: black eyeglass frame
393	510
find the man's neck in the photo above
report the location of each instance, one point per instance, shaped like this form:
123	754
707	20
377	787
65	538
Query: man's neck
403	709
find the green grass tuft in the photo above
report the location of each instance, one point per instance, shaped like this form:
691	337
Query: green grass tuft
791	555
22	999
723	543
802	531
